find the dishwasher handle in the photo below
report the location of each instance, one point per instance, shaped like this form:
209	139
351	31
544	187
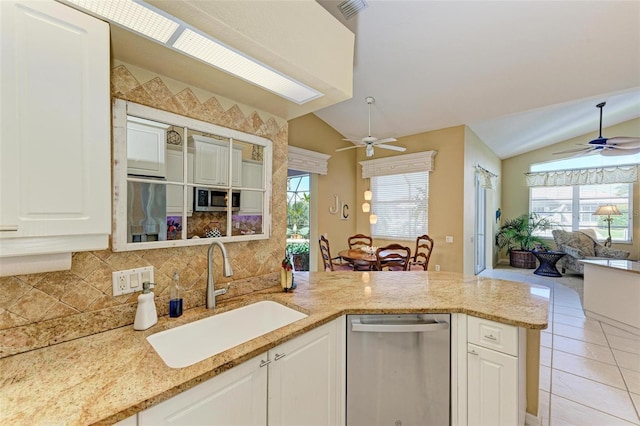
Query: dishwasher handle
357	325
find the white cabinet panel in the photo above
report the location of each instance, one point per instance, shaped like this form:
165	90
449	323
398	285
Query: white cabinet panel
212	162
175	173
251	201
235	398
146	142
493	385
302	380
55	134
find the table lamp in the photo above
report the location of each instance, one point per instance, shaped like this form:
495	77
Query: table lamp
608	211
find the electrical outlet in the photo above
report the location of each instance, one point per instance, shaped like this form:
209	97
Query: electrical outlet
130	280
437	268
448	239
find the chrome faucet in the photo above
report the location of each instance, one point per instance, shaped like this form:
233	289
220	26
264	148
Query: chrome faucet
226	270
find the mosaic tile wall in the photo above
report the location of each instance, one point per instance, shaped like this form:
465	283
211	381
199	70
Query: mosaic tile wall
41	309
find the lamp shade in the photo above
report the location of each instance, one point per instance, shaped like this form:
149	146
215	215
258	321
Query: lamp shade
608	210
373	219
368	195
366	207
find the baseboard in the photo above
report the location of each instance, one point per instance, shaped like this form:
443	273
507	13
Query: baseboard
531	420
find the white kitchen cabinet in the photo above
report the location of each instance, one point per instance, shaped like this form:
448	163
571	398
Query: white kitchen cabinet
298	382
212	162
495	373
146	141
237	397
251	201
175	173
55	162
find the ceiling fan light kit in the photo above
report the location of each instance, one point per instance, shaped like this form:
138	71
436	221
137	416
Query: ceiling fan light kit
619	145
369	142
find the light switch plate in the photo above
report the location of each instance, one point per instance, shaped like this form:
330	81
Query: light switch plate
448	239
130	280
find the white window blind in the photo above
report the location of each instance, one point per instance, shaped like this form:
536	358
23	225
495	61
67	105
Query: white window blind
401	203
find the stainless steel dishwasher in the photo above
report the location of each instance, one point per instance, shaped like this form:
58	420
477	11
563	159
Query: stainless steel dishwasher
398	370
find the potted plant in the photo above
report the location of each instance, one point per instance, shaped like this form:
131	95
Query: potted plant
517	236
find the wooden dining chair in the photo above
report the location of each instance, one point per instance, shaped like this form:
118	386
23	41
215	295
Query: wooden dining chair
331	263
424	247
393	257
355	242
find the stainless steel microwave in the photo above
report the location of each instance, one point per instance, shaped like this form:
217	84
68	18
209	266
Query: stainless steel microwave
214	200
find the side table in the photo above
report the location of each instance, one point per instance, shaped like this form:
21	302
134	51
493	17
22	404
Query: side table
548	260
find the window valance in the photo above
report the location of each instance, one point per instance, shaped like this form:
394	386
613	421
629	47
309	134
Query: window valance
407	163
592	176
308	161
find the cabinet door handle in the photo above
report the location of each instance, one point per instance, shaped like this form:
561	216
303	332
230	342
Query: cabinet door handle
264	363
5	228
490	337
278	356
472	352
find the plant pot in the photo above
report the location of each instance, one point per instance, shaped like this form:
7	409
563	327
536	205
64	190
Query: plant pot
522	259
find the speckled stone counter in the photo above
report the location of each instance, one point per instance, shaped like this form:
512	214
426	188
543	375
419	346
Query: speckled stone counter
106	377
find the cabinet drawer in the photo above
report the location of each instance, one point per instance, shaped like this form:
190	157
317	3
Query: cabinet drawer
493	335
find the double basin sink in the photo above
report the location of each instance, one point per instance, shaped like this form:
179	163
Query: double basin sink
193	342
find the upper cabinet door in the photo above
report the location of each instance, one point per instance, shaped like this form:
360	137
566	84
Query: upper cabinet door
55	133
146	141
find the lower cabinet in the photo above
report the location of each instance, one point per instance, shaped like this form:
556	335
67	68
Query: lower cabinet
495	373
295	383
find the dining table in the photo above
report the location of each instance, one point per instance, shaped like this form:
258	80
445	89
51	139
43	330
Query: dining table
358	255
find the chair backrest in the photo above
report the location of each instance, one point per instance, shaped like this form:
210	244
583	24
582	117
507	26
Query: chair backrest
575	239
394	257
424	247
360	240
325	251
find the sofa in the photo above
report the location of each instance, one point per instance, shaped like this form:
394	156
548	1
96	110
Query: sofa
582	245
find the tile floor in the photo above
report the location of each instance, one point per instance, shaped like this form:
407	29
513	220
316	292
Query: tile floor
589	370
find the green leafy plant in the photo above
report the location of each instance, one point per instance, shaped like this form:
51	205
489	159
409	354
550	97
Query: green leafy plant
298	248
518	233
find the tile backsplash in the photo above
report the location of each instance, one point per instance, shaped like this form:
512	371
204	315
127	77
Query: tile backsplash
38	310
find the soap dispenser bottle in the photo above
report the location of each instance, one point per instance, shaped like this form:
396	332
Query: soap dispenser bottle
175	297
146	314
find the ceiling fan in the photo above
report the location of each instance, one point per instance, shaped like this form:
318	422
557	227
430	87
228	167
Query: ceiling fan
619	145
369	141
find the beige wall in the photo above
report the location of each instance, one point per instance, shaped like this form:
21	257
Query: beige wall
515	194
309	132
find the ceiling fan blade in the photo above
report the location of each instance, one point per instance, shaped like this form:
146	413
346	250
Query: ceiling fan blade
617	151
627	141
569	151
349	147
385	140
356	141
391	147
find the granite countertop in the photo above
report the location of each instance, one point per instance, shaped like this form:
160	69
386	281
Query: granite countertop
106	377
621	264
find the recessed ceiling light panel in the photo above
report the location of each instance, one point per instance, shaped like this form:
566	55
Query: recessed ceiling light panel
133	16
220	56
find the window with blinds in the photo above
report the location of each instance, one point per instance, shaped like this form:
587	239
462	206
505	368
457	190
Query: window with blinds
400	201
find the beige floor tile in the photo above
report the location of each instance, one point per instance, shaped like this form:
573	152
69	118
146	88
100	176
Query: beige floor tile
577	322
607	399
545	356
588	368
543	408
636	401
569	311
568	413
578	333
588	350
545	339
624	344
545	379
568	301
632	379
610	330
627	360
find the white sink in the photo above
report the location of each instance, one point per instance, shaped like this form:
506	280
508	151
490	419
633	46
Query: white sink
187	344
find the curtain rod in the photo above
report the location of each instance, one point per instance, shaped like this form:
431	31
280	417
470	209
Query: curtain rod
478	166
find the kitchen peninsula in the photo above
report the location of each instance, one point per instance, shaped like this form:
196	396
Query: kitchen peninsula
612	292
107	377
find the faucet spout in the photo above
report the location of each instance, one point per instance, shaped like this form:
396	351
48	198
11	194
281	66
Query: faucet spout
227	271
